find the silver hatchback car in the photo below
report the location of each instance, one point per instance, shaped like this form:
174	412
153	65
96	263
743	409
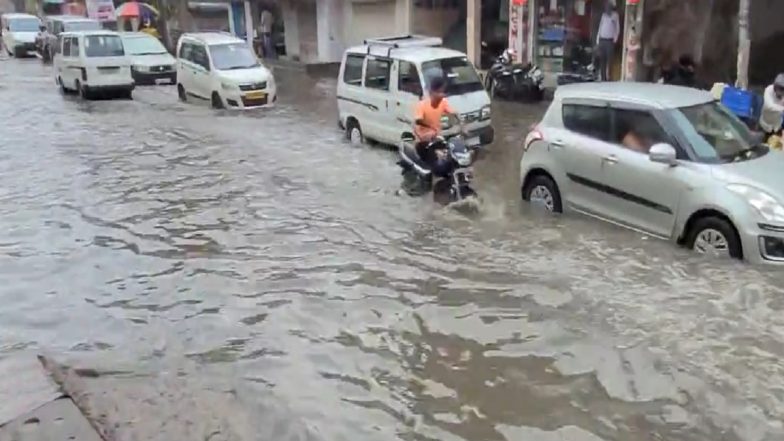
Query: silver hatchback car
667	161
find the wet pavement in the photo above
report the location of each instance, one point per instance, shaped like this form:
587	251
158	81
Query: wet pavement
221	276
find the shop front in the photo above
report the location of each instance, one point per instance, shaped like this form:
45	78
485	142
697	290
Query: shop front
560	36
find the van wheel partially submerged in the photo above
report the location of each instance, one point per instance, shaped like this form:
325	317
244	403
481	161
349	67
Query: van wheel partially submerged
354	133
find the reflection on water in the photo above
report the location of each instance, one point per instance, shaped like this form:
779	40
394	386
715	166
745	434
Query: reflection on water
252	276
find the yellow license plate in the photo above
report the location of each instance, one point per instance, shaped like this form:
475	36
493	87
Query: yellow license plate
255	95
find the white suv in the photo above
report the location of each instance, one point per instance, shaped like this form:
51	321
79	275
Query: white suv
223	69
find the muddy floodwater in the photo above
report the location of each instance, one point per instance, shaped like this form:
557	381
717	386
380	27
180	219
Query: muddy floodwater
223	276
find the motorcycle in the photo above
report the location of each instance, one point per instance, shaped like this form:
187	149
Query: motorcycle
511	81
452	178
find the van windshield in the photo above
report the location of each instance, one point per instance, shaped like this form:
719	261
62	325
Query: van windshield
233	56
86	25
460	75
103	46
24	25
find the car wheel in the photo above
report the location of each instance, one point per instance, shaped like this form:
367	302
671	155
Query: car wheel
217	103
541	190
181	93
60	83
354	133
127	94
715	236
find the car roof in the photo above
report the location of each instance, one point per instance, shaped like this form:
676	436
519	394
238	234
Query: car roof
88	33
18	15
660	96
414	54
210	38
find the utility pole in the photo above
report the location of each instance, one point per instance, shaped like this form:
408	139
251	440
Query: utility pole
744	44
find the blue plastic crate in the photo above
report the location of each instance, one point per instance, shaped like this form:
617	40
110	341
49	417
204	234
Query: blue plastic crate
741	102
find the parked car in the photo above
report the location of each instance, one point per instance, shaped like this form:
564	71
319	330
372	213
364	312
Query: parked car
92	62
221	68
56	25
664	160
381	81
19	31
151	63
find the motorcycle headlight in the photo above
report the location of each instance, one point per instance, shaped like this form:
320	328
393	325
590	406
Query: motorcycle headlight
766	205
462	159
485	113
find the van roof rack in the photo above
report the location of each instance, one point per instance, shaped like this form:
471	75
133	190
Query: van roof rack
403	41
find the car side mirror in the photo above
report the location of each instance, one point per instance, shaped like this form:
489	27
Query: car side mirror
664	154
407	137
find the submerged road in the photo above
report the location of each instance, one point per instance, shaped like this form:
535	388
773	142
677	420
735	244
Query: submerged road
226	276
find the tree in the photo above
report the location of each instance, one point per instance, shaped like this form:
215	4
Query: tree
744	44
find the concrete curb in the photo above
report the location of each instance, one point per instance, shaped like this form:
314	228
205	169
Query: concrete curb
33	406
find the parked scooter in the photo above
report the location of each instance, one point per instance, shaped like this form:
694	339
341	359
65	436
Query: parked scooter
450	182
509	80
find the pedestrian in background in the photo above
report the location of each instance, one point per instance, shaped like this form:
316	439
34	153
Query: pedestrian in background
267	45
607	38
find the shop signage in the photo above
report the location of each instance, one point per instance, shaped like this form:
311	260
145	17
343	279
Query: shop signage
101	10
632	2
523	2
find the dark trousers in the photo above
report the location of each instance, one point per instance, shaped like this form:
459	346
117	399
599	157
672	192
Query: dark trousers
606	53
267	46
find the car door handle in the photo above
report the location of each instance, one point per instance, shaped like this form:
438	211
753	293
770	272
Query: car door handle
610	159
557	143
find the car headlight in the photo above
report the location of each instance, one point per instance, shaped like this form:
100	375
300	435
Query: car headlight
766	205
139	68
485	113
228	86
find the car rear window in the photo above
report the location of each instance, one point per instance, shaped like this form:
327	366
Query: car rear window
103	46
593	121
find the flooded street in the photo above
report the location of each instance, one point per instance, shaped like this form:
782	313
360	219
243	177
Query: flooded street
224	276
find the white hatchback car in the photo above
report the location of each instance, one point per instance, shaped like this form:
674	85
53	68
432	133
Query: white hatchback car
223	69
151	63
380	83
19	31
90	62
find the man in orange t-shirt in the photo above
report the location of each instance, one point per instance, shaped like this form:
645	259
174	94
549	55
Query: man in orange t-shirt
427	121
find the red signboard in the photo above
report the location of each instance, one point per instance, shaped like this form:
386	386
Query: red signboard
522	2
632	2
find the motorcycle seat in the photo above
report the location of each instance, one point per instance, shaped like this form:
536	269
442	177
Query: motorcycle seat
410	155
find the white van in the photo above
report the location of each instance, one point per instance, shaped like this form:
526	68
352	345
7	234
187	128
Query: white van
89	62
19	31
223	69
380	83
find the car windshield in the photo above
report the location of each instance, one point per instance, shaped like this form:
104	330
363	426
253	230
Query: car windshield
103	46
146	45
233	56
716	135
24	25
460	75
86	25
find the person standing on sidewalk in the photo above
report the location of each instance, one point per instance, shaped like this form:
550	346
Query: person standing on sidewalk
607	38
267	45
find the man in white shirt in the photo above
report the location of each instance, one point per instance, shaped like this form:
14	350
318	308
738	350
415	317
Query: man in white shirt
607	38
267	20
773	107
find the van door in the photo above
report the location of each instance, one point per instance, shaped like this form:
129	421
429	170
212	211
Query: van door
379	123
200	72
64	69
407	91
350	104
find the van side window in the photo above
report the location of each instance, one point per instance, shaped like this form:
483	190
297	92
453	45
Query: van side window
67	46
75	46
592	121
186	51
352	73
199	55
377	74
408	79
